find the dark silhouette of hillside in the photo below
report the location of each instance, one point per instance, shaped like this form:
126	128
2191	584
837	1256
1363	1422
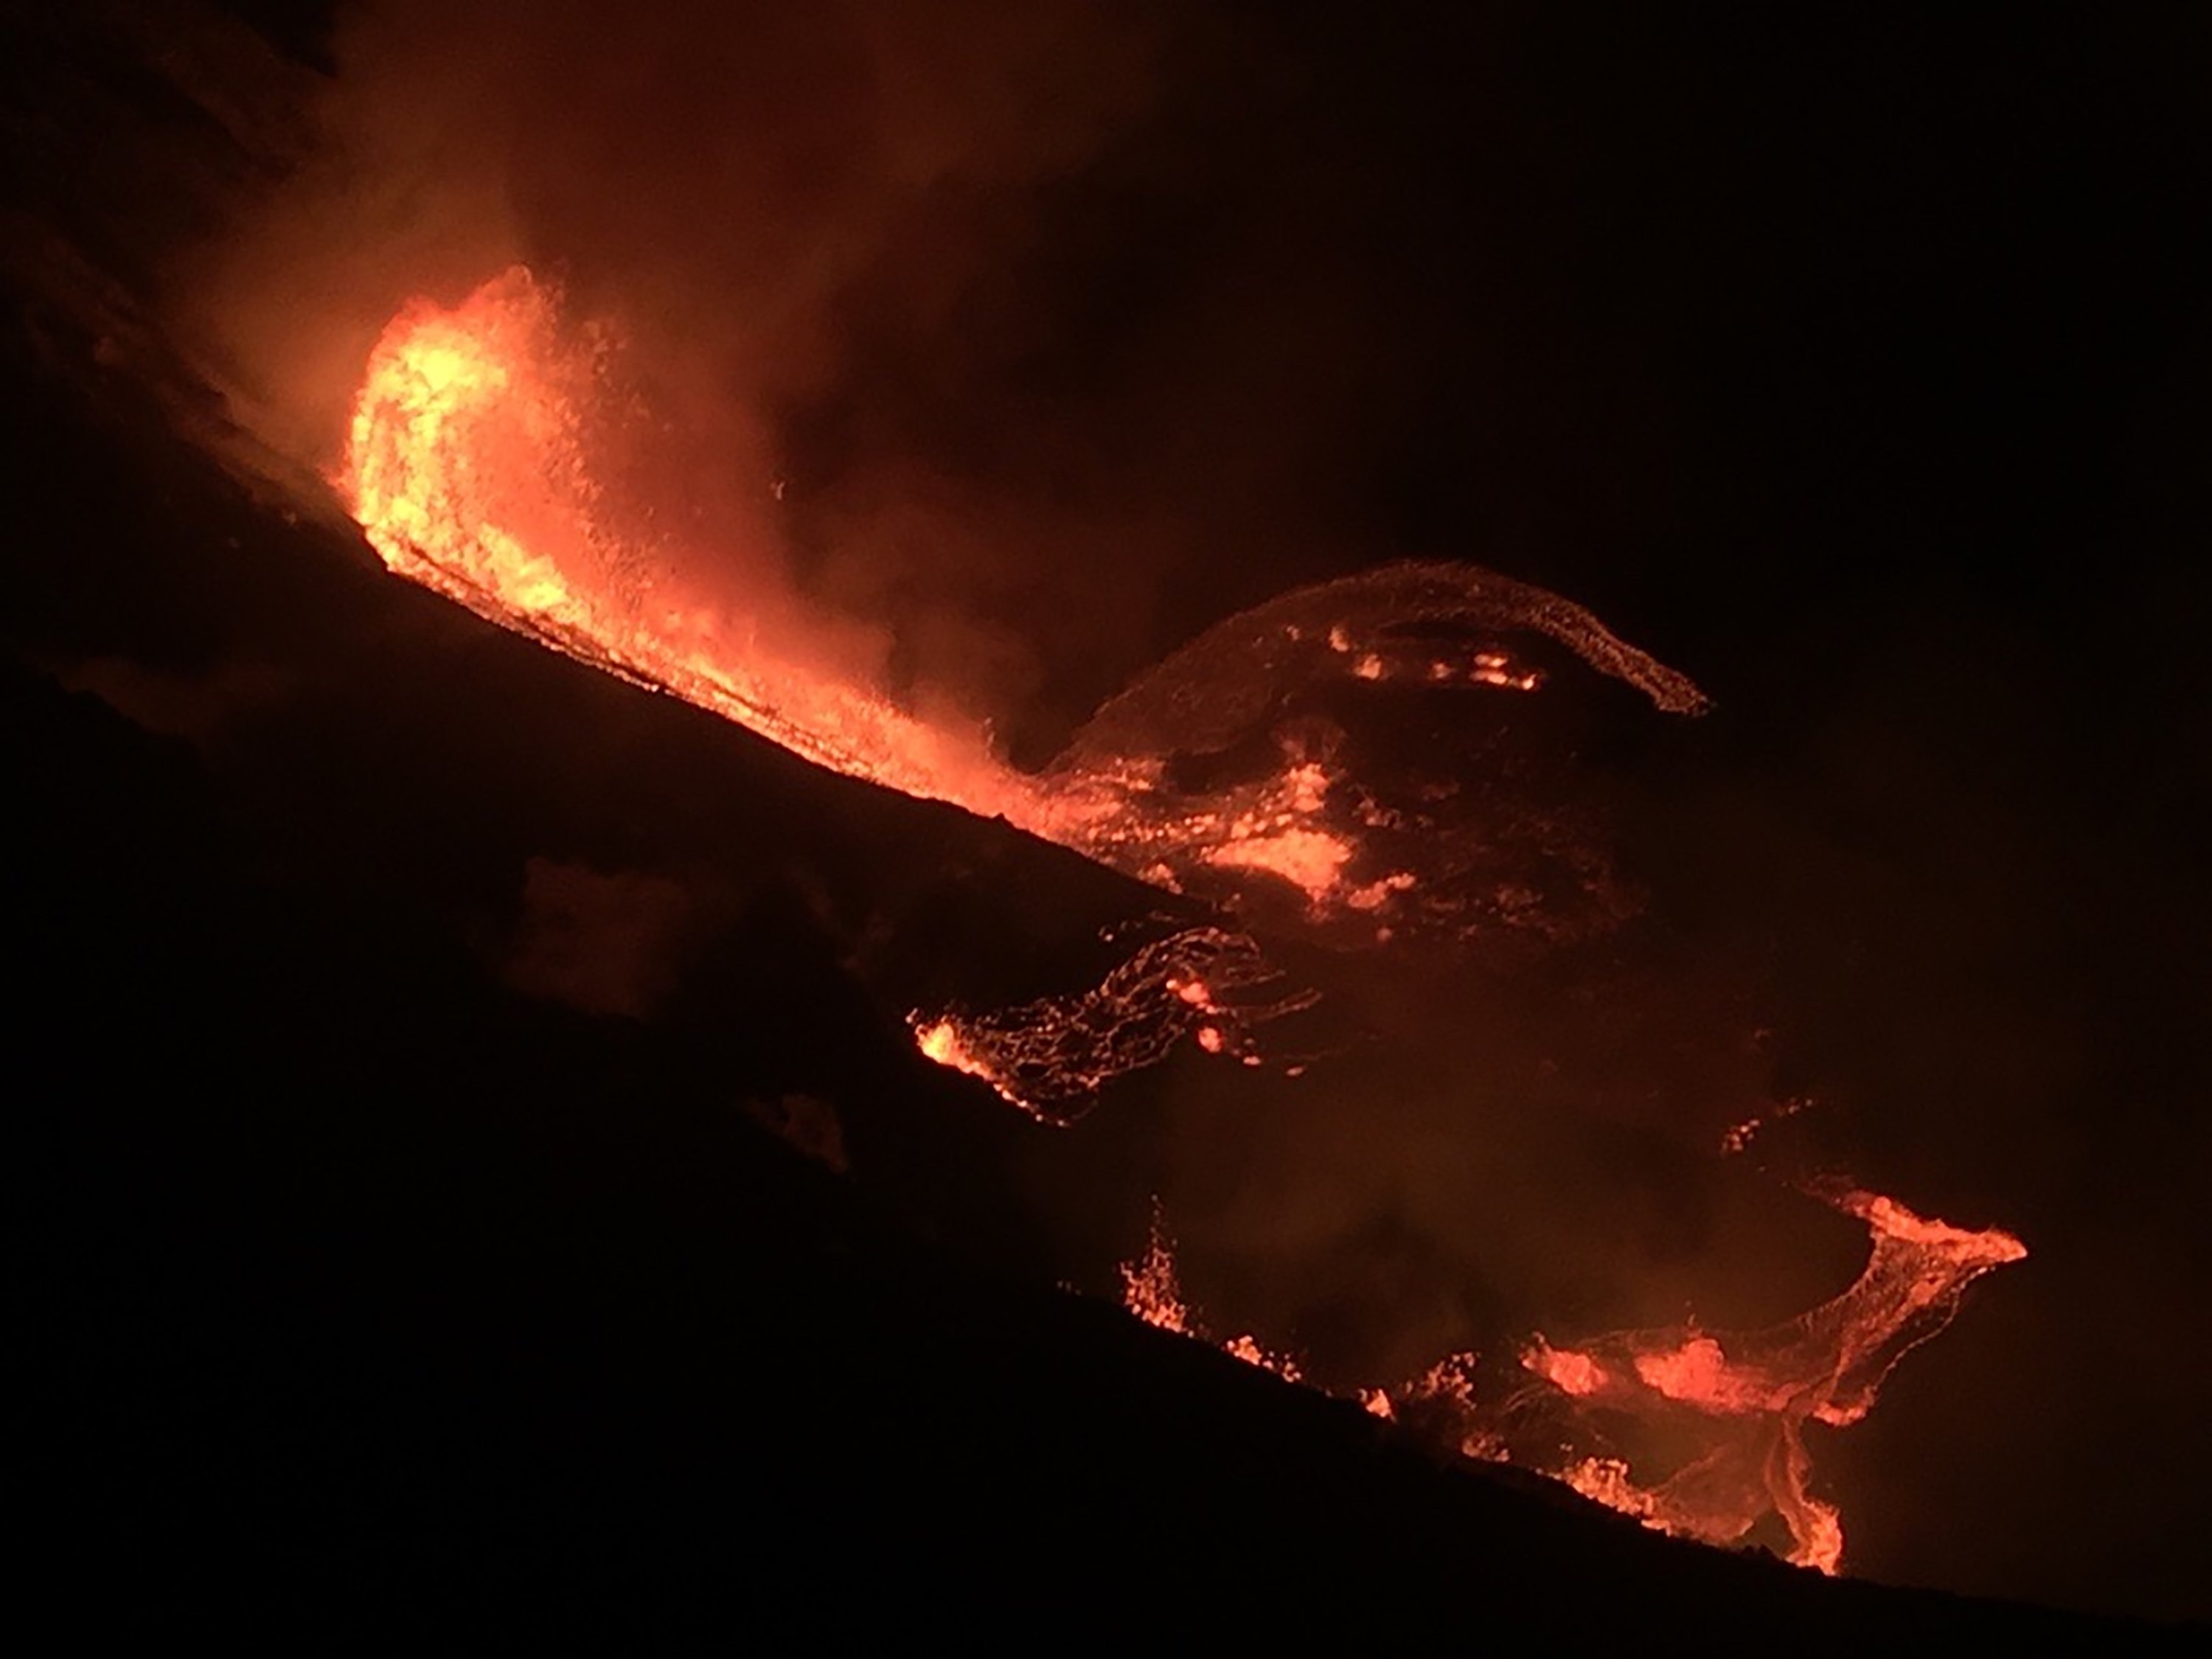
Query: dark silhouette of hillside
363	1298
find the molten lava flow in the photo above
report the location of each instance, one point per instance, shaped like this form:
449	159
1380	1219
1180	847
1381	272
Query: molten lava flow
1324	828
1152	1290
1739	1401
468	468
470	465
1744	1398
1050	1057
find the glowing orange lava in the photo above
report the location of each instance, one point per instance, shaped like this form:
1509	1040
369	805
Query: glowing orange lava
1152	1292
1049	1057
1747	1395
1740	1400
466	466
470	466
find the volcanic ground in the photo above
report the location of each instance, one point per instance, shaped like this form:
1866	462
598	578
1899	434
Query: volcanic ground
477	1182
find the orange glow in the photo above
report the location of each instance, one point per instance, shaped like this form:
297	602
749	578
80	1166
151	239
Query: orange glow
1050	1057
1697	1371
1748	1395
1573	1373
470	464
466	466
1311	860
1150	1289
1152	1292
1741	1401
940	1042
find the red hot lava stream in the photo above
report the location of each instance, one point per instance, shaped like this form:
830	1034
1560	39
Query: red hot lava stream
467	466
471	467
1740	1400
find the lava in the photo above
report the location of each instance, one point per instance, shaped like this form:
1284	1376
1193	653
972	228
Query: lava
1740	1400
470	466
1152	1291
474	465
469	469
1050	1057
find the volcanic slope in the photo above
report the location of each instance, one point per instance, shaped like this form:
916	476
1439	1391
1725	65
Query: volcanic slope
364	1295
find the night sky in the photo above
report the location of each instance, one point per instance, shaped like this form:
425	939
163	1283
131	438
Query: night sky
1850	360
